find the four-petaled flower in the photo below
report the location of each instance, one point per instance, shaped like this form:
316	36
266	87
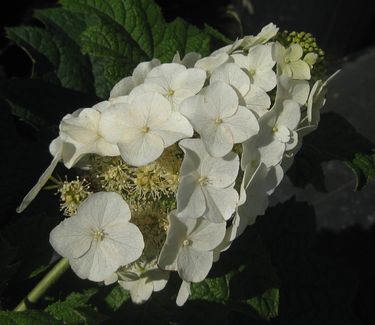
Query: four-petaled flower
206	184
189	247
290	62
99	238
173	81
143	127
218	118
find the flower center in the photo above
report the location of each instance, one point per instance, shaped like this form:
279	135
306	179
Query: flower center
218	120
186	242
252	72
170	93
145	129
98	234
203	180
275	129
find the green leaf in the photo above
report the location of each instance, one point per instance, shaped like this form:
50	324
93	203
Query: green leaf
75	309
29	317
267	304
364	168
115	35
41	48
57	57
217	36
131	31
334	139
117	297
212	289
109	47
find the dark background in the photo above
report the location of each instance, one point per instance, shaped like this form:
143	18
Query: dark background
327	274
342	27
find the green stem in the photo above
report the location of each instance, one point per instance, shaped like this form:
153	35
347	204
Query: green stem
49	279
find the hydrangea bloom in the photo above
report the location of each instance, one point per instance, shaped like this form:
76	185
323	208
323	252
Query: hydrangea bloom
174	82
143	127
206	184
189	247
99	238
290	62
219	119
187	154
258	63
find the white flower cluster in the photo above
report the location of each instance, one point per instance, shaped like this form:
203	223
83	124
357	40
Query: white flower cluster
238	116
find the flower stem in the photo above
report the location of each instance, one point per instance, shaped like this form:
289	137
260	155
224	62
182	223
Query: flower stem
48	280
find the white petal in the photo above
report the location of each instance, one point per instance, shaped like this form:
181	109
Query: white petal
176	232
193	265
207	235
193	152
221	172
287	88
103	208
82	129
294	52
278	52
142	149
243	125
111	279
142	69
210	63
95	265
190	198
162	75
271	152
175	128
250	153
152	109
188	83
242	61
283	134
222	100
114	122
221	203
70	238
30	196
195	110
140	290
260	57
231	74
126	240
300	70
158	278
104	148
265	80
190	59
217	139
122	88
183	293
290	115
257	100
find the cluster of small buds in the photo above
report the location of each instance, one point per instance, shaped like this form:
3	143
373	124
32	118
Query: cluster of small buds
72	193
306	40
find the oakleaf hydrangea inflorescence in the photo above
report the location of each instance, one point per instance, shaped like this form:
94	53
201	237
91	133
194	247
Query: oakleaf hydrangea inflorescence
181	158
